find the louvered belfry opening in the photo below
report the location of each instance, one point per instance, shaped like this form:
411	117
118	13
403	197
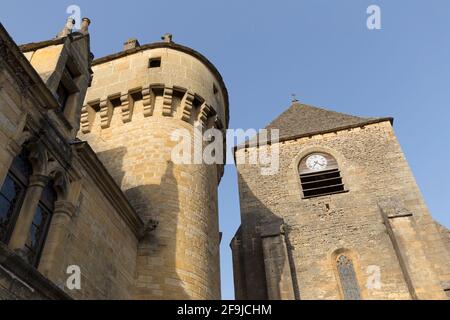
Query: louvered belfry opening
323	180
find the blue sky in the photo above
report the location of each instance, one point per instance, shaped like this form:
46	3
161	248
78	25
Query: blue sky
321	50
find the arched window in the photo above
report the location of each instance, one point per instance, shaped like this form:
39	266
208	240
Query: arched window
347	277
12	194
320	175
40	225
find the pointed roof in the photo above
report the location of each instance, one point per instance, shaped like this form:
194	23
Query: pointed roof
301	120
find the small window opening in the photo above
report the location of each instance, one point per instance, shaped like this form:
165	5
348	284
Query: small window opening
154	63
62	95
215	90
40	225
67	85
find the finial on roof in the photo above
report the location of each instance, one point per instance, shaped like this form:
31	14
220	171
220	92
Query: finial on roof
167	37
294	98
85	22
67	28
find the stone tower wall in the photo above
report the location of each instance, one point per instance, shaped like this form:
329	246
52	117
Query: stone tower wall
130	113
381	221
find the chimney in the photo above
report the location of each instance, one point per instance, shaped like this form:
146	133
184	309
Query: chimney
85	22
167	37
131	44
67	28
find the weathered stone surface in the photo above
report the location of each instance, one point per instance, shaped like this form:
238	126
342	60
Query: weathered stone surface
94	226
180	258
412	258
136	224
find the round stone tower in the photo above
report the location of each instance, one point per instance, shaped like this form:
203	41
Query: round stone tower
137	99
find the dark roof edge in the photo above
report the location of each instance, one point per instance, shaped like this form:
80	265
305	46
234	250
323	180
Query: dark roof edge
294	137
175	46
33	46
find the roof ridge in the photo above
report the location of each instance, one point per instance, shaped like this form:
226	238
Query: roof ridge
300	120
321	109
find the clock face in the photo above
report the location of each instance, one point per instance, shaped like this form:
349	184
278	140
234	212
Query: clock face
316	162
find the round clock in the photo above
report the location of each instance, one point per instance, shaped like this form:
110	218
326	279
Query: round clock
316	162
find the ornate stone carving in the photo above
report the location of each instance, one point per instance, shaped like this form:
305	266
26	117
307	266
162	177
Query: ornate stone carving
60	183
8	58
39	158
148	228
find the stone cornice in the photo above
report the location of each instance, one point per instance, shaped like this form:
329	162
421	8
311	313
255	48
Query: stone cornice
108	187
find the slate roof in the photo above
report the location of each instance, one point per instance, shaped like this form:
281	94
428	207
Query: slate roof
301	120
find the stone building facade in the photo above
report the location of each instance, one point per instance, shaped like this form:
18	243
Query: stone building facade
89	187
87	181
343	218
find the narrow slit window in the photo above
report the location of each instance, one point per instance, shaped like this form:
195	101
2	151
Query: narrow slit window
347	277
320	175
40	225
62	95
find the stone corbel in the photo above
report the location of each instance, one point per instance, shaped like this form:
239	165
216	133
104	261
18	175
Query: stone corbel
167	102
127	107
187	106
205	112
147	101
84	120
106	111
87	116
